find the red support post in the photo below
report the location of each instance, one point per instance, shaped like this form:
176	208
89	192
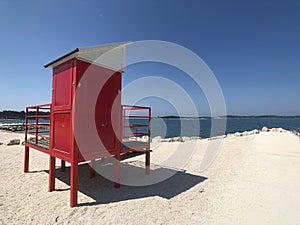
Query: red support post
62	166
148	150
117	170
26	123
74	184
26	159
103	160
92	169
52	174
36	125
148	162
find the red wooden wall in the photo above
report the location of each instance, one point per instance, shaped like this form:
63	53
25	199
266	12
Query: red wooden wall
101	84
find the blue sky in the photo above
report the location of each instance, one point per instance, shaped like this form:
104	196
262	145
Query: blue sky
252	47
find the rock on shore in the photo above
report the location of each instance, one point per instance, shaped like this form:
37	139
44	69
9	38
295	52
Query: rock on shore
13	127
236	134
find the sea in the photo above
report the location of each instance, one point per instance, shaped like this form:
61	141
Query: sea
175	127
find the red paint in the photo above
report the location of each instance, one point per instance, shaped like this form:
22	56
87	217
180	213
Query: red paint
65	115
117	171
26	159
74	184
52	174
62	166
62	132
92	169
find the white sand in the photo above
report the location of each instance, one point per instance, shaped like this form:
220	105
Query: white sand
254	180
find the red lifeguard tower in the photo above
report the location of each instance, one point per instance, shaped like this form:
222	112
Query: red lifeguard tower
86	120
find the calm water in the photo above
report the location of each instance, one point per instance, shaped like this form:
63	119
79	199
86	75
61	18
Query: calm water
202	127
195	127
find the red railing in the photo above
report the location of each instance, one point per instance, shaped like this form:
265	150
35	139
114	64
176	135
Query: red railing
39	125
136	122
135	125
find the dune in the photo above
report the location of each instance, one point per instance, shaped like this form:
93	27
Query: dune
253	179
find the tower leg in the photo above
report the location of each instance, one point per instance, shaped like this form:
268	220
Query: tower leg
117	171
52	174
148	162
74	184
26	159
92	169
62	166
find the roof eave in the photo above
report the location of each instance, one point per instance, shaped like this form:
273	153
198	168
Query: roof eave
62	57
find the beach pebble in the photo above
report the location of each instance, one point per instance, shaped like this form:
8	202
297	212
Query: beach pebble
238	134
145	139
32	139
273	129
156	139
217	137
1	143
265	129
166	140
176	139
281	130
173	139
255	131
14	142
245	133
132	138
184	138
195	138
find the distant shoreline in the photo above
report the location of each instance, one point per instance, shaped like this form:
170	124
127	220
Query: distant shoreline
16	116
225	117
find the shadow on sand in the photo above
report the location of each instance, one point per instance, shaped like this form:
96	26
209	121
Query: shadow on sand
102	190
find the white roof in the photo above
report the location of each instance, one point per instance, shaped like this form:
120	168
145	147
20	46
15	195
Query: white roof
110	56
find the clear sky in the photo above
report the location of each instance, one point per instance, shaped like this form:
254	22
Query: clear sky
253	47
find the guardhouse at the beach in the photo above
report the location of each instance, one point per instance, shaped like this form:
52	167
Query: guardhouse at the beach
85	120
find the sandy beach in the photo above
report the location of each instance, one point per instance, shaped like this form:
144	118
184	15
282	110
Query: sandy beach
254	179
